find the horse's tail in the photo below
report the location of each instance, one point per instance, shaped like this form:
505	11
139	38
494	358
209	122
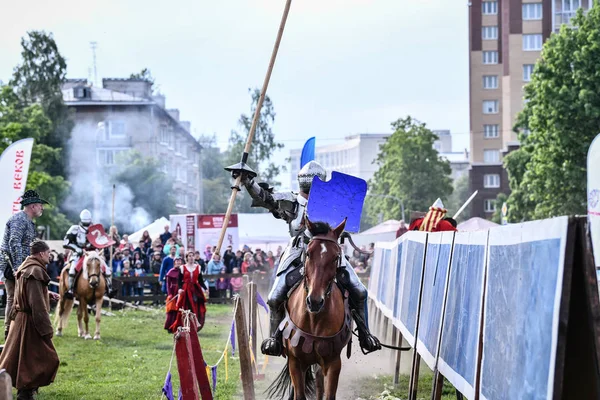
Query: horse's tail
282	385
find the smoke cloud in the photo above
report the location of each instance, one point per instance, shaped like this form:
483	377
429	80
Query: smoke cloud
92	185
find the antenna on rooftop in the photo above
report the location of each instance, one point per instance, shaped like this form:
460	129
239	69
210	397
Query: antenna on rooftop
93	45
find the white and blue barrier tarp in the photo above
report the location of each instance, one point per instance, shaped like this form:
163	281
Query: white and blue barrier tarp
462	315
437	264
521	312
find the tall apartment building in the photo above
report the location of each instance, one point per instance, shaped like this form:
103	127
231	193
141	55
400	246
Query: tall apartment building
123	115
356	155
505	41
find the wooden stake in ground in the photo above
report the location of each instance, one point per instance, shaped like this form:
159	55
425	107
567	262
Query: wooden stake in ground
245	361
242	165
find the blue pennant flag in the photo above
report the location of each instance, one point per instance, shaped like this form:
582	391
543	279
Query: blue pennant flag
180	397
232	338
261	302
214	377
168	387
308	152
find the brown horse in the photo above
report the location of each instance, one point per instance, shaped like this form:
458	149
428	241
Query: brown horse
89	289
318	324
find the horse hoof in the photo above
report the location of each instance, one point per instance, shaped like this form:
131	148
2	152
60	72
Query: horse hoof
87	337
97	337
58	333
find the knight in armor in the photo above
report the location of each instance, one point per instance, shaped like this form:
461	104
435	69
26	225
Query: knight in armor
76	241
290	207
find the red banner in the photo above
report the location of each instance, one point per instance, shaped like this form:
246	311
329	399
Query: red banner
190	230
216	221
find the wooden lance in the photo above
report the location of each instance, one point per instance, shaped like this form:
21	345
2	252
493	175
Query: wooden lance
112	223
242	165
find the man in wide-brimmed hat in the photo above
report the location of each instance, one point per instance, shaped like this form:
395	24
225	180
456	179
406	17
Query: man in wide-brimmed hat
18	236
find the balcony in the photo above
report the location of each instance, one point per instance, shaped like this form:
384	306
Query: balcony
564	17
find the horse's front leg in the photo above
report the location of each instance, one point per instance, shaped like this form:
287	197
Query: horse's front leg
80	312
319	382
86	319
332	376
298	373
98	315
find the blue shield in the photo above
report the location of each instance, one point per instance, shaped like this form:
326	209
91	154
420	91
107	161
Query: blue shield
341	197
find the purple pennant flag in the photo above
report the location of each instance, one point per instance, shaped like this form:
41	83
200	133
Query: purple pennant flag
168	387
232	338
214	377
261	302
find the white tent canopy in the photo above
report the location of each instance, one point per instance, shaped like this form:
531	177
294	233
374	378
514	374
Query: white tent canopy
155	229
475	224
262	230
384	232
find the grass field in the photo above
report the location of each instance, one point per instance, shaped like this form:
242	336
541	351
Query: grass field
132	359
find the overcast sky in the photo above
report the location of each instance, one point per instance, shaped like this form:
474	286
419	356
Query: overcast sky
344	66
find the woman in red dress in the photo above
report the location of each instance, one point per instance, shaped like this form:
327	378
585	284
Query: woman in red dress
185	286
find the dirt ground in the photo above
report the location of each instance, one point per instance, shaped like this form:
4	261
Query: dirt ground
354	370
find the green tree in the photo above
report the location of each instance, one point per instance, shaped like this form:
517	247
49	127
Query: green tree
460	195
500	200
152	190
216	188
409	169
19	121
38	80
144	74
263	147
562	113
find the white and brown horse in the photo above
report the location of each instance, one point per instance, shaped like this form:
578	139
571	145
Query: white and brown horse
89	289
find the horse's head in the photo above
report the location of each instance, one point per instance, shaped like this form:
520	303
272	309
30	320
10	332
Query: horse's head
93	268
323	257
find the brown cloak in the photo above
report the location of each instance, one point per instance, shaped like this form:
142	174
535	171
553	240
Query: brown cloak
29	355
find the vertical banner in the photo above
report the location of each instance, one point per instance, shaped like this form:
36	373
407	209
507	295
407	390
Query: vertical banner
14	168
190	231
308	152
593	196
179	225
209	230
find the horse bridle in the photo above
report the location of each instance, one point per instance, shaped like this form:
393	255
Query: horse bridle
339	262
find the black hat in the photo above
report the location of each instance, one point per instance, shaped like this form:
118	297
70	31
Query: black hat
31	197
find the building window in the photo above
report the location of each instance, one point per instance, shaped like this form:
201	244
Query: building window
108	157
163	135
489	32
532	42
532	11
491	156
490	8
491	181
491	131
527	71
490	81
490	57
114	130
570	5
489	205
490	106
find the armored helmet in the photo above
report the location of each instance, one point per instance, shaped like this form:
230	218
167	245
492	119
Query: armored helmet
308	172
85	217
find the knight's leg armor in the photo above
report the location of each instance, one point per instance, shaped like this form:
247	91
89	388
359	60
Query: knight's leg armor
108	279
273	345
358	305
72	273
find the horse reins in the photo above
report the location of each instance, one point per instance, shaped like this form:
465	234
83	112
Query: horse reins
339	261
